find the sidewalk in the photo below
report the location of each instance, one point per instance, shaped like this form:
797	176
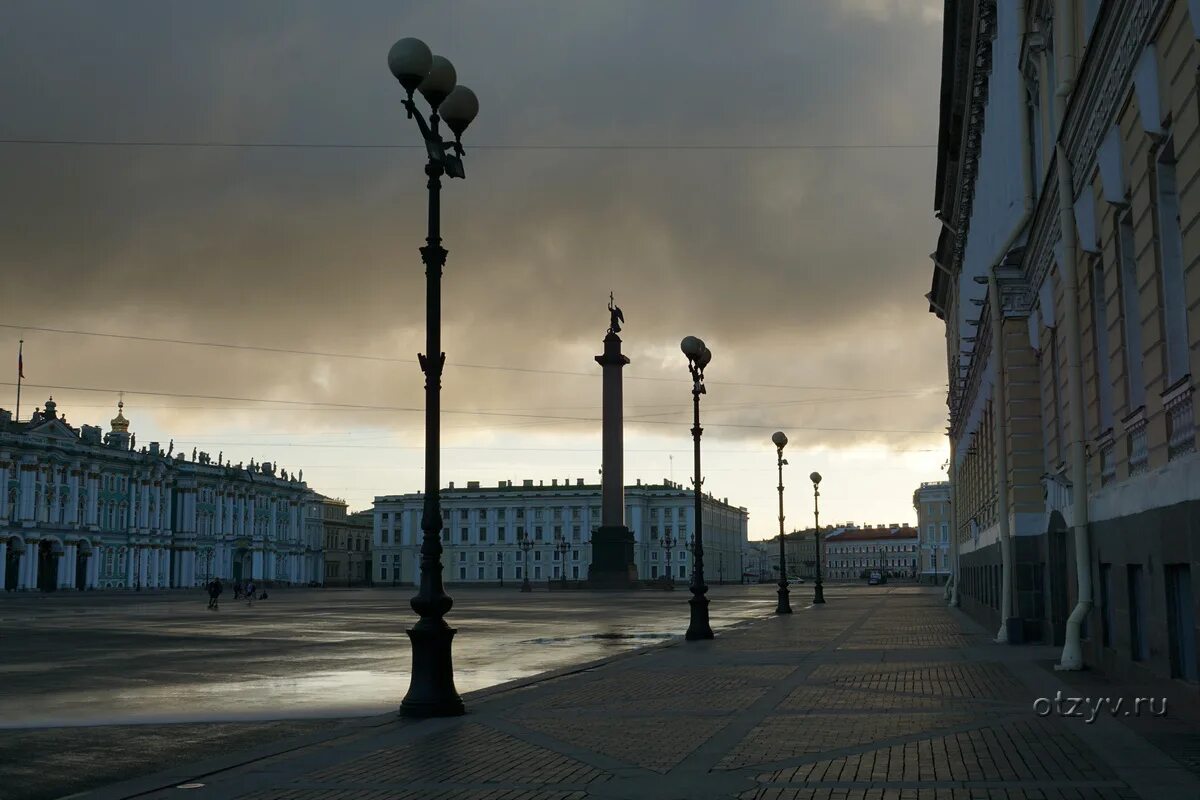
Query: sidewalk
883	693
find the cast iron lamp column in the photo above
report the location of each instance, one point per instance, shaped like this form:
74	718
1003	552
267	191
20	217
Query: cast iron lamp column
526	545
818	590
668	543
561	546
698	357
431	691
784	606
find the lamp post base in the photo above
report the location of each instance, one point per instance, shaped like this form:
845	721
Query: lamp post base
431	691
525	586
818	595
698	627
784	606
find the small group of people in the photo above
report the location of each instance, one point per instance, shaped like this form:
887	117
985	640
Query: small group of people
249	592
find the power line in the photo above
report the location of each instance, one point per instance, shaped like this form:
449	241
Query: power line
395	360
226	145
360	406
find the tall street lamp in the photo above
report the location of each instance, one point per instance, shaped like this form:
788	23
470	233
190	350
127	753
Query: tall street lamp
524	542
698	357
784	606
431	691
668	543
561	546
818	590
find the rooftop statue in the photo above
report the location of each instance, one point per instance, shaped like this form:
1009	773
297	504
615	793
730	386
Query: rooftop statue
615	316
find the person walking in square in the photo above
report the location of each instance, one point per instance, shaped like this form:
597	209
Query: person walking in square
249	590
214	594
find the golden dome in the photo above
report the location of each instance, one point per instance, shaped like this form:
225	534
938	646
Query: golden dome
119	423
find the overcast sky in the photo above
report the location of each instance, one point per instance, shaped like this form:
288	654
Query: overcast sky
801	267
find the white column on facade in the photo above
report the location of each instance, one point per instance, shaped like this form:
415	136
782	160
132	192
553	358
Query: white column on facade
71	554
28	559
143	567
26	490
256	567
3	563
164	568
93	567
60	579
130	556
92	508
5	470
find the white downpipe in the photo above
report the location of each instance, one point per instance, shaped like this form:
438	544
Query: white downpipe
1072	652
1000	433
951	592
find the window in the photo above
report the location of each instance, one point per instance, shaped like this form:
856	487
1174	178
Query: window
558	531
383	573
479	573
537	533
500	534
462	556
1137	612
1100	343
1106	606
1170	252
480	556
463	534
462	573
446	535
483	534
537	555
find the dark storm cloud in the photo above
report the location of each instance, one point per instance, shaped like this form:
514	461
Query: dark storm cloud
803	266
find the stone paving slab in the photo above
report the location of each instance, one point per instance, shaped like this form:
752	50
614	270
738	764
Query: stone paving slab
882	694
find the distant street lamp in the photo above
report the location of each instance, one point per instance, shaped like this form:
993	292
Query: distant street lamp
561	546
431	691
698	357
784	606
524	542
818	590
668	543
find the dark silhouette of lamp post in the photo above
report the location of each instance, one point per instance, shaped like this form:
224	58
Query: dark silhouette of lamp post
561	546
698	357
668	543
431	691
818	590
526	544
784	606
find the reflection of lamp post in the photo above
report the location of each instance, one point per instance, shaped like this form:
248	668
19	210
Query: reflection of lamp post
561	546
431	691
524	542
784	605
818	591
668	543
698	357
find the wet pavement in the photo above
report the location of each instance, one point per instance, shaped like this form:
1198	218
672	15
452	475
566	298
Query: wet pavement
116	659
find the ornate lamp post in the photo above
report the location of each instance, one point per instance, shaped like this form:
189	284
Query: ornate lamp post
818	590
668	543
431	691
784	606
526	544
698	357
561	546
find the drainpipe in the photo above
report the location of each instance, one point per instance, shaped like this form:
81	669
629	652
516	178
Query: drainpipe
1000	432
1072	652
951	592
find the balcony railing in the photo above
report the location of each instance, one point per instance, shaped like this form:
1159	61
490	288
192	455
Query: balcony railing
1181	422
1139	455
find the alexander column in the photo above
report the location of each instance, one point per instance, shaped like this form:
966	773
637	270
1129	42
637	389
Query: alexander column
612	565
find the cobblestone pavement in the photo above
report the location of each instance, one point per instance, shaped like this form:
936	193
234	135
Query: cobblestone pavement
883	693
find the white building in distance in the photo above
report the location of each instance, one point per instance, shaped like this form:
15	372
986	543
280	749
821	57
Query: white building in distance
932	502
85	510
482	526
888	549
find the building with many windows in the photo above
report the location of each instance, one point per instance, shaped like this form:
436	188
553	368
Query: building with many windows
932	502
800	549
482	528
1070	291
347	540
82	509
852	552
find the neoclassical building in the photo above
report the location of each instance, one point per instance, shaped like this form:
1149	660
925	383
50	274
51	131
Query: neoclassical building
484	525
82	509
932	503
889	549
1067	273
